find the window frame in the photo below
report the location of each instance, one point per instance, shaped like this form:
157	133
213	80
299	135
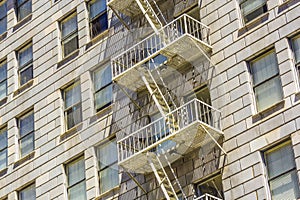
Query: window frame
277	75
297	64
3	130
18	9
210	178
79	104
4	64
96	17
70	36
264	7
26	65
4	2
27	187
31	112
103	144
78	159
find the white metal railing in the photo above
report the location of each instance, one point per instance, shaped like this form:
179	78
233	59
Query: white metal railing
150	46
207	197
152	134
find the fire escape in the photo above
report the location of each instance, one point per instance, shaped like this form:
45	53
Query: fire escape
181	129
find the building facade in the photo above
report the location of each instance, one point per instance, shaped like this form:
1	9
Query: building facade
144	99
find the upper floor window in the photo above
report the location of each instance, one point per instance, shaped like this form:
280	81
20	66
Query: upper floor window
69	34
26	133
108	165
296	49
211	186
27	193
103	87
3	18
282	172
75	171
251	9
266	80
72	98
3	79
98	17
3	148
25	59
23	8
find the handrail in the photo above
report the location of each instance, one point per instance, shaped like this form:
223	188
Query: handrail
207	197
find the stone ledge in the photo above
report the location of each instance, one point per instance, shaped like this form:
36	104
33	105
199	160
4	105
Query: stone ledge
24	159
22	22
3	36
252	24
23	87
102	113
267	112
285	5
71	132
3	172
68	59
3	101
112	192
96	39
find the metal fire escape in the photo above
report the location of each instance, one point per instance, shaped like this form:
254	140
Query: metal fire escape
186	127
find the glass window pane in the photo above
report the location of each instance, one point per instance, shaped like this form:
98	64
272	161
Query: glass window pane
264	68
3	159
70	46
251	5
74	116
103	97
72	95
296	48
3	10
26	124
109	178
102	77
77	192
107	154
75	172
3	139
3	91
69	26
285	187
27	144
28	193
3	71
26	75
25	56
99	24
268	93
96	7
3	25
24	10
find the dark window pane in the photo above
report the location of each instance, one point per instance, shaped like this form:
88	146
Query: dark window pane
97	7
70	46
26	75
3	10
24	10
26	125
69	26
74	116
3	25
3	139
3	159
103	97
3	91
99	25
296	48
27	144
3	71
25	56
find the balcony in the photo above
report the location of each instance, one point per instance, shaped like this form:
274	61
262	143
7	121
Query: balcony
207	197
182	41
193	125
127	7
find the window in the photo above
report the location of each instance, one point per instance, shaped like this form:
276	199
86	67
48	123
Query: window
25	59
76	179
103	87
266	80
296	49
108	165
3	79
69	34
98	17
3	14
23	8
27	193
252	8
26	133
72	98
212	186
3	148
282	173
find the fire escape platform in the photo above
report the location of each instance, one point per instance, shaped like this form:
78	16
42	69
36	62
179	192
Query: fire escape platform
127	7
197	125
182	41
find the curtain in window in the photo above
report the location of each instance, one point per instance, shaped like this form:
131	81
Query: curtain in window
72	95
103	97
27	193
102	77
3	92
77	192
249	6
296	48
3	155
109	178
69	26
26	125
25	56
76	172
27	144
107	154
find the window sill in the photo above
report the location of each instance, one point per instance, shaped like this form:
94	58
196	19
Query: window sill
253	24
285	5
110	192
23	87
24	159
96	39
267	112
3	101
3	172
68	59
3	36
22	22
102	113
71	132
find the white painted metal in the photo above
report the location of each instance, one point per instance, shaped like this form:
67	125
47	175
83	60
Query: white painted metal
207	197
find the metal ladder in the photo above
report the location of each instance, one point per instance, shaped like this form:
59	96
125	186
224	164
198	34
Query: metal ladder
163	179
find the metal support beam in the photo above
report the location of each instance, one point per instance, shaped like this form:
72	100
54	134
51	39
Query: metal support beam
136	182
120	18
